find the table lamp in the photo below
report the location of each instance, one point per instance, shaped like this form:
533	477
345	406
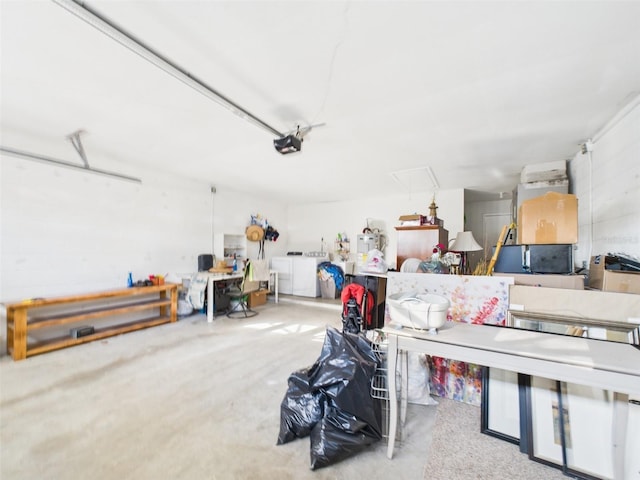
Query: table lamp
463	243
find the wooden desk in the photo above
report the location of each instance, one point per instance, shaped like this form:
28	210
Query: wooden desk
213	278
595	363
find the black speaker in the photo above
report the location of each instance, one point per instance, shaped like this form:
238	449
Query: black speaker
205	262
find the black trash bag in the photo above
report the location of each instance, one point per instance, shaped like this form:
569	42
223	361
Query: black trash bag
332	400
342	354
301	408
345	377
302	405
338	436
363	347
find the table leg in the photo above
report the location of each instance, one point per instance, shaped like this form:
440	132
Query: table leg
273	274
276	274
404	387
173	312
392	364
17	339
210	300
619	433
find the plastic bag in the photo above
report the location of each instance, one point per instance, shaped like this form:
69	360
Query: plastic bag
332	400
184	307
301	409
418	391
339	435
375	262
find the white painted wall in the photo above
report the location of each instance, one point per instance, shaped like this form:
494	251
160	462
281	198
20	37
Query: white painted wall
310	223
607	184
232	210
67	231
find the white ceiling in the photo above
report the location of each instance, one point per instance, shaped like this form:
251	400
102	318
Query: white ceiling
472	90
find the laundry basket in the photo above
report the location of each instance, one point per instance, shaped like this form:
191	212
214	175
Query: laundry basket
418	311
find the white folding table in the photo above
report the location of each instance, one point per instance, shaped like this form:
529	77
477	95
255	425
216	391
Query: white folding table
605	365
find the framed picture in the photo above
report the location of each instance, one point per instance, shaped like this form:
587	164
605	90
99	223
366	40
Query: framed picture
548	422
570	428
590	453
500	404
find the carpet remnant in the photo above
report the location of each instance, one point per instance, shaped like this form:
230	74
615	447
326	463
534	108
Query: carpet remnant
458	450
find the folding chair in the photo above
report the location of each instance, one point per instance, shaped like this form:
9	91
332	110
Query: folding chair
239	297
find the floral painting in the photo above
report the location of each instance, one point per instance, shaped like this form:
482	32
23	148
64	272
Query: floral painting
473	299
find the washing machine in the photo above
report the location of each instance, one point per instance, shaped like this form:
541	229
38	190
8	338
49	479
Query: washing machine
298	274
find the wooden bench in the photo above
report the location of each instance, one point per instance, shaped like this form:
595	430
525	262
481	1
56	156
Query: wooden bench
43	315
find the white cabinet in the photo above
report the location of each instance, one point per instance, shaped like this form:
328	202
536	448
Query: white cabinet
226	245
305	276
284	267
298	275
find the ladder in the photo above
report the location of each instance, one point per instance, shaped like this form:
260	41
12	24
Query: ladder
504	234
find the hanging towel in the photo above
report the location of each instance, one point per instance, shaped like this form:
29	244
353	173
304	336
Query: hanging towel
259	270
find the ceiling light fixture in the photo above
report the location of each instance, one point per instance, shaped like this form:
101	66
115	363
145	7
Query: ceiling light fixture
93	18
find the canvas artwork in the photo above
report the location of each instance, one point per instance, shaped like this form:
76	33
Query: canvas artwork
473	299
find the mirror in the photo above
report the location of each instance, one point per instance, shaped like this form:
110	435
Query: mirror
611	331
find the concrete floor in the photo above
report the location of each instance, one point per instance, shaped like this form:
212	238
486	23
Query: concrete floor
189	400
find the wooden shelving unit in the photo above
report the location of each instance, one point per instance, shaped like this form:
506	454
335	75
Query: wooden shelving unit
227	245
45	314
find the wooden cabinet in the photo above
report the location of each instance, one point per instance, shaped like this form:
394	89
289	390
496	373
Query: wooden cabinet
418	242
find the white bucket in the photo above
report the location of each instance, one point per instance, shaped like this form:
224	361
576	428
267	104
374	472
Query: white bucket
418	311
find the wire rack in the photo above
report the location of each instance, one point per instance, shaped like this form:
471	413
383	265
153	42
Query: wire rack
380	387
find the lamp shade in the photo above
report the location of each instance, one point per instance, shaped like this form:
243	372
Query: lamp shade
464	242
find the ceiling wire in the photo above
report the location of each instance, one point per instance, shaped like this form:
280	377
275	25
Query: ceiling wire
333	60
129	41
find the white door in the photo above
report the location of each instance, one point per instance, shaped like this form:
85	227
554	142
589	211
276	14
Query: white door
492	227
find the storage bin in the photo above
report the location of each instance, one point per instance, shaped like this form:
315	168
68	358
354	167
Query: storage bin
328	288
419	311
